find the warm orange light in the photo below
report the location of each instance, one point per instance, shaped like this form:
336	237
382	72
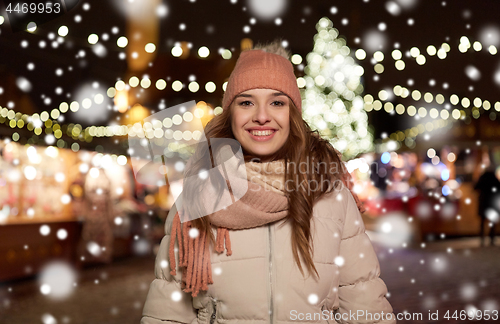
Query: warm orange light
121	100
202	111
137	113
185	50
149	200
201	104
246	43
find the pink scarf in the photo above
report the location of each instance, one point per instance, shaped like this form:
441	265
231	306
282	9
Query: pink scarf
264	202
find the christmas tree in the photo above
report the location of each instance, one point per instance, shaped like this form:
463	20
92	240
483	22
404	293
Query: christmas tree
331	96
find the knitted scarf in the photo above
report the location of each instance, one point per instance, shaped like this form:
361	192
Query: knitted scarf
264	202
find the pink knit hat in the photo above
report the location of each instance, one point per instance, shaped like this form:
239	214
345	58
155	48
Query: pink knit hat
257	69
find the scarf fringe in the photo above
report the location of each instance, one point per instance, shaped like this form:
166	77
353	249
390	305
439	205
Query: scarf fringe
195	265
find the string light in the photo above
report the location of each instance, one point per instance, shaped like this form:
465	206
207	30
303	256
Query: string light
400	109
36	122
417	54
32	123
145	83
150	48
408	135
122	41
440	99
93	39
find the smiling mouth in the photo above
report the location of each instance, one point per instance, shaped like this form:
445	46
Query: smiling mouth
262	133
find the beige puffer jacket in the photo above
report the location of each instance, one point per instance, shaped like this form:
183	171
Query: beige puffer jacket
260	282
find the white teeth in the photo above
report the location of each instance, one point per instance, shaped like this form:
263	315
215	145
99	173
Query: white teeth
262	133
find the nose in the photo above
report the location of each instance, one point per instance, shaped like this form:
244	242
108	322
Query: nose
261	114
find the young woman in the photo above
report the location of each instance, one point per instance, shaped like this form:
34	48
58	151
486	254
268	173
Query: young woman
296	248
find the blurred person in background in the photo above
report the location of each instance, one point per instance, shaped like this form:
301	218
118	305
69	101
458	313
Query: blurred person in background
488	186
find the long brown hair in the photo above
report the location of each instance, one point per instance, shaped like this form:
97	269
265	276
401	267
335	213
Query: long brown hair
303	145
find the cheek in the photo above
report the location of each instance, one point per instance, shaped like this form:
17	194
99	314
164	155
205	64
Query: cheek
284	121
233	125
237	122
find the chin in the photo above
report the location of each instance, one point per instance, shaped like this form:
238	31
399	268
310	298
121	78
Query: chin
264	154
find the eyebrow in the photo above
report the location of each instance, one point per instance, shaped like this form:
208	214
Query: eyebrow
275	94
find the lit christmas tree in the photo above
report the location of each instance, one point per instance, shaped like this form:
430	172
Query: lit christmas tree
331	95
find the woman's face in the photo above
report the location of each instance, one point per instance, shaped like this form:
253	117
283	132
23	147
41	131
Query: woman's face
261	121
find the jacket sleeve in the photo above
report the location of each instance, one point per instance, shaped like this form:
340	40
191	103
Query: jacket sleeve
166	302
361	291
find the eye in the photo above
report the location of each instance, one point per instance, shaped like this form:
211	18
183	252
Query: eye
278	103
245	103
